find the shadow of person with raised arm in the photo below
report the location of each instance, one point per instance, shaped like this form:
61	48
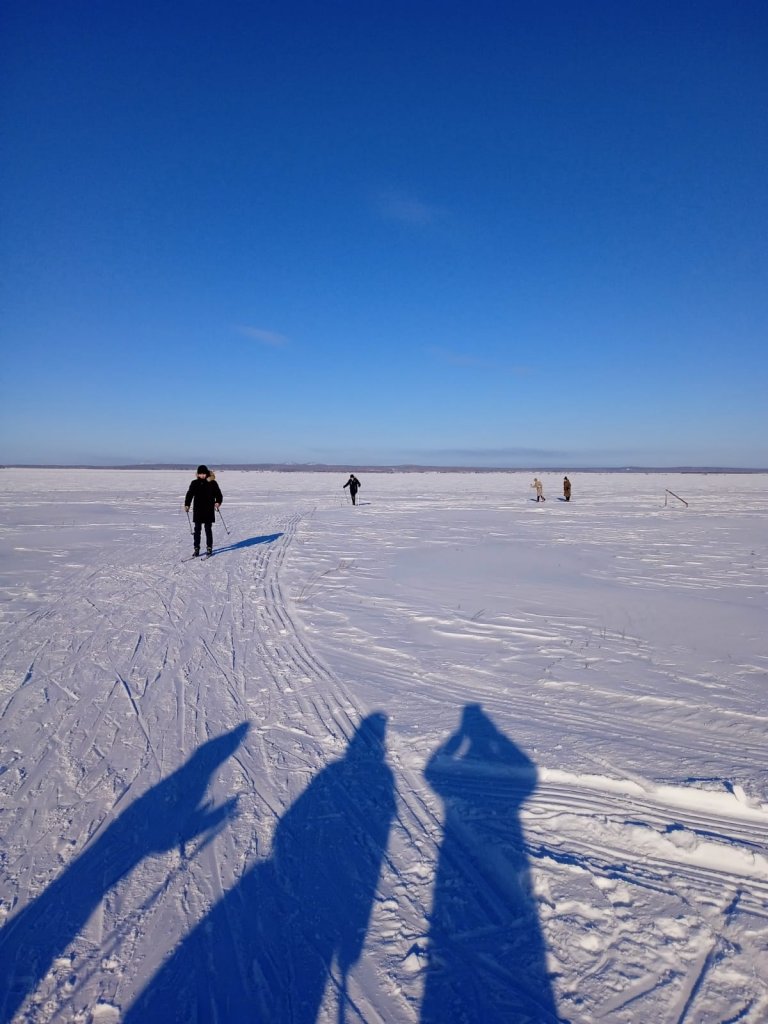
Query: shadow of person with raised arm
486	952
168	815
267	950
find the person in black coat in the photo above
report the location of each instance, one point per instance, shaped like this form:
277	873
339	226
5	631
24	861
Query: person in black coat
206	495
353	483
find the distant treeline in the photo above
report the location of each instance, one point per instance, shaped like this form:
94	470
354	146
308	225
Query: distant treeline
309	467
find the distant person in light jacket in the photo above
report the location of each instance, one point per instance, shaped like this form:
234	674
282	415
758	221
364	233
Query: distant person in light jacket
206	496
353	483
566	488
539	486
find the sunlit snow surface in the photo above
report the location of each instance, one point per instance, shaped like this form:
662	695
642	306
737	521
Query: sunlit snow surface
448	756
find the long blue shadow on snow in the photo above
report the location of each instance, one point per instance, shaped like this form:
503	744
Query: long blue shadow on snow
265	951
168	815
249	543
486	962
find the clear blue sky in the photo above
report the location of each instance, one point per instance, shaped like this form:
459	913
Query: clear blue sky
513	234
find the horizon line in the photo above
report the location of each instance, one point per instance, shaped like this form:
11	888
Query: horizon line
411	467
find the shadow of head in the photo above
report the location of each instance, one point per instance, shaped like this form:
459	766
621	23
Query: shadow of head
480	750
175	811
369	738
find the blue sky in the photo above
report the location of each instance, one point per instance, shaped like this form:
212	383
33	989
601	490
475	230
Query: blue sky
510	234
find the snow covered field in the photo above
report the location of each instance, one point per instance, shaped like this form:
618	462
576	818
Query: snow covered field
449	756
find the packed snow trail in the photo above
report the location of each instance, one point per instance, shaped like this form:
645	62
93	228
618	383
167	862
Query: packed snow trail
406	761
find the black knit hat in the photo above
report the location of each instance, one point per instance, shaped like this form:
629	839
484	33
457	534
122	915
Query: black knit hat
202	470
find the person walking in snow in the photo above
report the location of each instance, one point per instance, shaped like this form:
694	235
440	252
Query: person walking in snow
353	483
539	489
206	496
566	488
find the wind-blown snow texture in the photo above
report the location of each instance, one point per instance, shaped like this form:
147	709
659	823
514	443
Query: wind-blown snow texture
449	756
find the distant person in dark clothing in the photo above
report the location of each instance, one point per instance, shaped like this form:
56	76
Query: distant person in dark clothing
206	495
566	488
353	483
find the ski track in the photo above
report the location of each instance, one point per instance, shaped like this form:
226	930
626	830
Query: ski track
124	670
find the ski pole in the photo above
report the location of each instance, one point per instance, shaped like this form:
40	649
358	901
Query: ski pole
221	517
343	997
190	522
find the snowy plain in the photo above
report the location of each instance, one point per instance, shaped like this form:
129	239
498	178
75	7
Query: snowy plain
447	756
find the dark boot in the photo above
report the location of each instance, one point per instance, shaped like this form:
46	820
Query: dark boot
196	553
209	551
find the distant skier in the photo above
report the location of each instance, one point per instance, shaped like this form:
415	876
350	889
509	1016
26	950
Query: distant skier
539	489
353	483
566	488
206	495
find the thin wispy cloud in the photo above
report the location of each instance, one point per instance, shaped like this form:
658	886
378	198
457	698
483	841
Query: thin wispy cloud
407	209
469	360
271	338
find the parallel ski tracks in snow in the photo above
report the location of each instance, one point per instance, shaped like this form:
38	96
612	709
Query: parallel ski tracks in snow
186	658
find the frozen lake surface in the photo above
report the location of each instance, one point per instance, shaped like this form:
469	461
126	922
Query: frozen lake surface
448	756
